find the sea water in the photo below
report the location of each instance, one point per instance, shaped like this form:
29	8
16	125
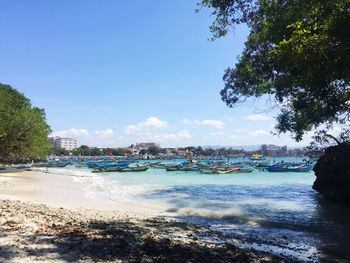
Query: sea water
275	212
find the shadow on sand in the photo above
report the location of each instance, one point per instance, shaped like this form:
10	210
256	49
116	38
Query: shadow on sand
123	240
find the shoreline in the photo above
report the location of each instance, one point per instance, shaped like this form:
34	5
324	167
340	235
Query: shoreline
47	218
55	190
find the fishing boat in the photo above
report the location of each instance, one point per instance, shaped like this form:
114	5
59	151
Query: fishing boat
279	167
14	169
272	168
56	164
209	171
171	168
300	168
289	167
229	171
140	168
106	169
245	170
104	165
158	165
188	168
38	165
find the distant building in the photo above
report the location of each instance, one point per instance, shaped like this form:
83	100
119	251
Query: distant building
63	143
170	152
134	151
146	145
264	149
271	149
284	149
180	153
53	139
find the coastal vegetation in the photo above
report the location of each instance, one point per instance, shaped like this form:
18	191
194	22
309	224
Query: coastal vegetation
182	152
85	150
296	57
23	128
296	54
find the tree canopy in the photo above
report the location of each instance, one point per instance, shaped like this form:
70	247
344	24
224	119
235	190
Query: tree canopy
297	53
23	128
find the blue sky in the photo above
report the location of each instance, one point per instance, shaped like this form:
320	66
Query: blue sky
113	73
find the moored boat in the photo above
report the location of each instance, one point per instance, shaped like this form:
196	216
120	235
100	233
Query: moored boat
229	171
106	169
134	169
14	169
209	171
245	170
272	168
300	168
172	168
55	165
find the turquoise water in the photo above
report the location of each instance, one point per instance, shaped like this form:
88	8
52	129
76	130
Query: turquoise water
276	212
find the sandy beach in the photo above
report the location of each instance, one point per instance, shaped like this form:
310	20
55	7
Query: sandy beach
41	187
48	218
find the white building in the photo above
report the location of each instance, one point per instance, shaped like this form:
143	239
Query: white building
63	143
53	139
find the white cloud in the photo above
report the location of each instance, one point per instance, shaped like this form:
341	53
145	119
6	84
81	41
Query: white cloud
152	123
214	123
258	117
183	134
232	136
258	132
71	133
149	130
98	138
219	133
186	121
241	130
104	133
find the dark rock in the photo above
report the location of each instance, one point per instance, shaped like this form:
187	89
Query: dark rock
333	174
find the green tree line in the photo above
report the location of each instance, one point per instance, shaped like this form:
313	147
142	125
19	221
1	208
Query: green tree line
89	151
23	128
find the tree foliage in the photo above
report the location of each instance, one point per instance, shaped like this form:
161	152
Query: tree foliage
153	150
84	150
58	152
23	128
297	53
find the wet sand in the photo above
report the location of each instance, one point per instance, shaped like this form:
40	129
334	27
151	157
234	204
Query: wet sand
48	218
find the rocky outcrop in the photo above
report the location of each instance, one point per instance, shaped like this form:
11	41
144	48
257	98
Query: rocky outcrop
333	174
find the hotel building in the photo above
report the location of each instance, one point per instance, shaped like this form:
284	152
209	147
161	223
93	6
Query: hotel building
63	143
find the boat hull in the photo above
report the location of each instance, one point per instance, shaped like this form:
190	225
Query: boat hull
134	169
13	170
